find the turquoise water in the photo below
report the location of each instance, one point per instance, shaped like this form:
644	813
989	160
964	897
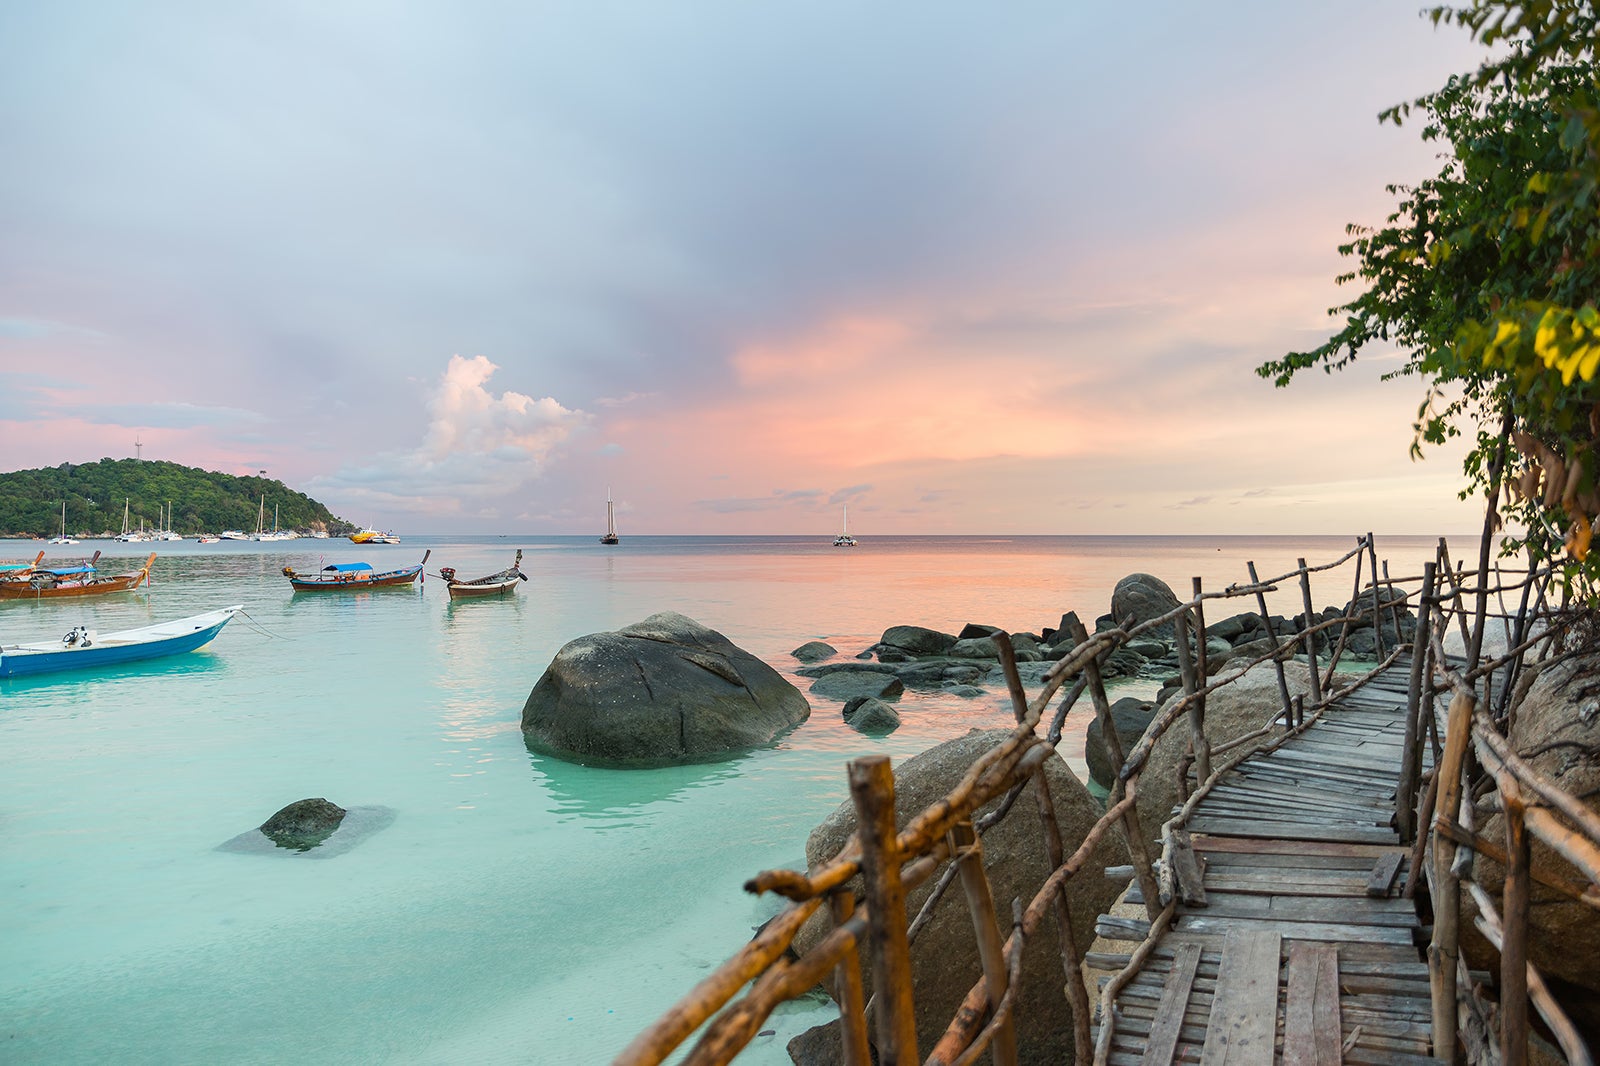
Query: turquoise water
516	909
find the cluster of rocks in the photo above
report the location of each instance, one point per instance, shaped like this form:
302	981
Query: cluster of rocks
961	663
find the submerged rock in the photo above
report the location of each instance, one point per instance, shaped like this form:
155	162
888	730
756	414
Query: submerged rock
814	651
315	828
304	824
848	684
660	692
871	716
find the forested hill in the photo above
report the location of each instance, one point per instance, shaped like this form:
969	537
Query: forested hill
203	501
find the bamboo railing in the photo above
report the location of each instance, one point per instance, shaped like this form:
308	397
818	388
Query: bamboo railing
944	840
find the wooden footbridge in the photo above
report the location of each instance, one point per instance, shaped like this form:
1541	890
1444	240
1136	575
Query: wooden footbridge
1293	931
1300	905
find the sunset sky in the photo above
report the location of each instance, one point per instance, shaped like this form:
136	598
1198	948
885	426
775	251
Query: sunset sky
967	268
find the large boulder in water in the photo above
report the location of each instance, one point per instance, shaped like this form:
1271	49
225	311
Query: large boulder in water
660	692
944	958
1130	715
1141	597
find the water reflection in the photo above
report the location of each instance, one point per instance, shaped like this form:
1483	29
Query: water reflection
619	799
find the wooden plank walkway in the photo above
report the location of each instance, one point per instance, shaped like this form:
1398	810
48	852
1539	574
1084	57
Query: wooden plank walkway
1296	946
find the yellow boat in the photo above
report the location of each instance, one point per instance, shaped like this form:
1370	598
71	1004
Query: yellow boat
361	536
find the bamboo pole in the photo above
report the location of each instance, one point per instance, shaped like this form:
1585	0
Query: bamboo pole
1444	949
968	854
1349	616
1197	708
1445	566
1277	659
872	790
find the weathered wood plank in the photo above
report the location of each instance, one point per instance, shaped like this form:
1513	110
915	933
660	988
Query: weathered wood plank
1165	1029
1207	845
1244	1010
1331	932
1296	831
1384	872
1311	1030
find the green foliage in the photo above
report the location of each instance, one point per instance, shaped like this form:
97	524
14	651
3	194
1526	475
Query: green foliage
202	501
1486	275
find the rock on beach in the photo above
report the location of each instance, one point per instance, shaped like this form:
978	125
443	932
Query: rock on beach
660	692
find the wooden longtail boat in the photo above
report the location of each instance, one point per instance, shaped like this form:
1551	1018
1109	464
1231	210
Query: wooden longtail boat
348	576
74	581
501	584
17	567
83	647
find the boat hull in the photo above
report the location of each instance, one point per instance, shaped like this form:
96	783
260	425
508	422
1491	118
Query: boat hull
350	582
34	587
112	649
476	590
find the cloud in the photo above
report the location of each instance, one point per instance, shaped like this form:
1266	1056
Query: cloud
477	449
165	415
27	329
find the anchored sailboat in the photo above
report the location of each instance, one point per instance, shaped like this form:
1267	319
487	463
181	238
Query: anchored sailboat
611	522
844	539
63	539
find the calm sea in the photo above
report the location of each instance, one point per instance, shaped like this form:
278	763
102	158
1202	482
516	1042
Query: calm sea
516	909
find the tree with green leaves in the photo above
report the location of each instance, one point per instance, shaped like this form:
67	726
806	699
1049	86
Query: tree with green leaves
1486	275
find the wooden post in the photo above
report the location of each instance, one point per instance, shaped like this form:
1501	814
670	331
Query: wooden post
872	790
1138	847
1197	726
1514	949
1311	638
1455	579
847	990
968	854
1344	630
1444	950
1277	656
1377	614
1411	749
1197	709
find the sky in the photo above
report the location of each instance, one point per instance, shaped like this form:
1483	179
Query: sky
961	268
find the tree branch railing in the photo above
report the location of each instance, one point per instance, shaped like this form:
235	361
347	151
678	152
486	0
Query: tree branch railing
858	882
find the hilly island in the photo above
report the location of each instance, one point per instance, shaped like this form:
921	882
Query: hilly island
98	494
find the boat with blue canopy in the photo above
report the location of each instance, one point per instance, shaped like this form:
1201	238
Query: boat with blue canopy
349	576
84	647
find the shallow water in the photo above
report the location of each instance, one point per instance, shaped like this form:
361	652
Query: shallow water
515	909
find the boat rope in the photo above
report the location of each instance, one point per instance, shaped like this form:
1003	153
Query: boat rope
257	626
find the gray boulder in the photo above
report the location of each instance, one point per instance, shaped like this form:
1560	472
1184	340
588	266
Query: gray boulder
974	648
1238	708
849	684
814	651
977	629
303	824
1556	730
944	957
871	716
1231	629
660	692
1130	716
967	692
1141	597
917	640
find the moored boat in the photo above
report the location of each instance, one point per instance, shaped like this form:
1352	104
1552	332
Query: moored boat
611	522
72	581
83	647
350	576
16	567
844	539
362	536
499	584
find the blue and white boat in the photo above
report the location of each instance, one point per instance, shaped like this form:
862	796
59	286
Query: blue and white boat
83	647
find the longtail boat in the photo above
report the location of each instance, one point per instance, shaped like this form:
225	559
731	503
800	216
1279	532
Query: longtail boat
83	647
74	581
349	576
498	584
17	567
